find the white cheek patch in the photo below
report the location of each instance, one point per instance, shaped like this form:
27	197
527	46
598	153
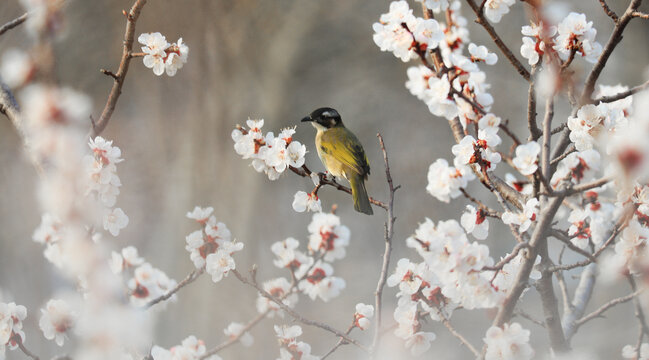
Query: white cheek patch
317	126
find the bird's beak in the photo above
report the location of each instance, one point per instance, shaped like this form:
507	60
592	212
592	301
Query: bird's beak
306	118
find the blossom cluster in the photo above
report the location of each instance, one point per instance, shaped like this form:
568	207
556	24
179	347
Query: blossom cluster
190	349
574	36
271	155
104	182
11	326
511	341
147	283
56	320
290	348
212	246
162	56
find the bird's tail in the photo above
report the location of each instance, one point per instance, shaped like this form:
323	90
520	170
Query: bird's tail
361	201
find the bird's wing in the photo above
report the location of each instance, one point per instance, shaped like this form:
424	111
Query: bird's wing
343	146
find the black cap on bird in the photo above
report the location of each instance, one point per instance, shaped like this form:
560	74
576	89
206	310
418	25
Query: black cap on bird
341	154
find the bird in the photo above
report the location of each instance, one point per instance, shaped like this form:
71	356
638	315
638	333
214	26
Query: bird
341	154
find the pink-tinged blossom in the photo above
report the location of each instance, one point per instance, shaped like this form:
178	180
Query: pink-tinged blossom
482	54
435	5
11	325
279	288
509	342
235	330
577	167
629	352
327	234
127	258
522	186
200	214
475	222
320	282
363	315
115	220
575	34
190	349
534	46
291	349
149	283
154	48
419	342
445	182
17	68
526	160
288	256
406	276
56	320
525	218
495	9
303	201
177	55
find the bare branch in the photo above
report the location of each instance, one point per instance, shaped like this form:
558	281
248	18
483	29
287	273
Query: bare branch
19	341
613	41
531	108
608	10
622	95
598	313
580	300
448	325
340	342
305	172
295	314
640	15
186	281
234	339
547	137
389	233
501	45
13	23
120	75
506	310
566	240
550	303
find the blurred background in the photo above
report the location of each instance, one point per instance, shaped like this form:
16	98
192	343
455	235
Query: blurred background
276	60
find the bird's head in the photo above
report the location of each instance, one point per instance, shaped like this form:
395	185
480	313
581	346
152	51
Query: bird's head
324	118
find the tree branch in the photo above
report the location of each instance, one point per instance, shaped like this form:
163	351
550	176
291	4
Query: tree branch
186	281
389	233
598	313
119	77
501	45
608	10
622	95
305	172
295	314
234	339
13	23
615	39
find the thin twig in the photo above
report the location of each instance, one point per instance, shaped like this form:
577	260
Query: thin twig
13	23
623	94
339	343
501	45
563	156
186	281
119	77
19	341
389	233
598	313
531	108
235	339
566	240
448	324
580	300
640	15
305	172
523	314
295	314
608	10
613	41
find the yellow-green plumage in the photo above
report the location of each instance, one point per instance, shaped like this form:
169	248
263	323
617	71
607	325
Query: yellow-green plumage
343	156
